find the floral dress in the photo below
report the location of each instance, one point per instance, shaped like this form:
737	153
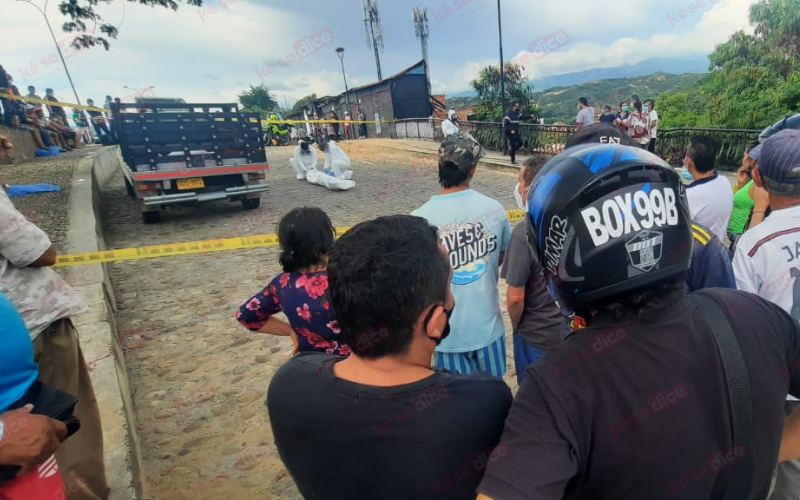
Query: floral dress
305	300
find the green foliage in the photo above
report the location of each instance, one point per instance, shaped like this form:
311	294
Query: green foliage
682	109
754	78
302	103
487	85
258	100
81	12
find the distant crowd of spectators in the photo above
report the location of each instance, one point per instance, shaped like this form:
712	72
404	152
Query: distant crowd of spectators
51	132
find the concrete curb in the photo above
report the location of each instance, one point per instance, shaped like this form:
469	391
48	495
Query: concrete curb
98	329
24	147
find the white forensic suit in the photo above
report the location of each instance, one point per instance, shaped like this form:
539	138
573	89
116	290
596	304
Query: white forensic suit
305	166
337	163
449	126
304	163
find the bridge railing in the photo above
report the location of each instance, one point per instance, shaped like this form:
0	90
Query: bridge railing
550	139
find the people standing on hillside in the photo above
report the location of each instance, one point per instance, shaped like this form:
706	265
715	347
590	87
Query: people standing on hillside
622	117
639	125
511	127
607	116
650	109
585	114
710	195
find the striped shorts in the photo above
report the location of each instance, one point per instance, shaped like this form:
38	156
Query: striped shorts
490	359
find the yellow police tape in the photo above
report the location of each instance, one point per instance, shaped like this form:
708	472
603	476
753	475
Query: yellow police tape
106	110
192	247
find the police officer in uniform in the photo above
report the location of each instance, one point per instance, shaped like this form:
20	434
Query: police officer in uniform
594	417
511	126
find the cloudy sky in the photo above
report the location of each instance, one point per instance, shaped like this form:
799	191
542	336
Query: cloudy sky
212	54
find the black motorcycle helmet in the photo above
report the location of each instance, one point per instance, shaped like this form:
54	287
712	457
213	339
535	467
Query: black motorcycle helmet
789	122
606	220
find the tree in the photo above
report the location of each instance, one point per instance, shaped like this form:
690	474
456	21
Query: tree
754	78
82	12
258	100
487	85
303	102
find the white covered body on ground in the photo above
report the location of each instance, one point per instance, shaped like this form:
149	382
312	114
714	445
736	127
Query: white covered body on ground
337	172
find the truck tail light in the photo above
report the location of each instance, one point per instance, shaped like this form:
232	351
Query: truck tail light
256	176
149	186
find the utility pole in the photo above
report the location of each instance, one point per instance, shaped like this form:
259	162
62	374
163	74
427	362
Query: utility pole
69	77
372	26
502	76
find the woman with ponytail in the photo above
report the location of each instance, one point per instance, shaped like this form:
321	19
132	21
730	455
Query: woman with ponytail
301	292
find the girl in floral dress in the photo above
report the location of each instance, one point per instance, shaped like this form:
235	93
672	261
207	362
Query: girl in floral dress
301	291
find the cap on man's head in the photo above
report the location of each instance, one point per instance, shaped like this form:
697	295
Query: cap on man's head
462	150
780	157
600	133
755	153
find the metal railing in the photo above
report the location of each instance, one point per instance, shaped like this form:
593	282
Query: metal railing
550	139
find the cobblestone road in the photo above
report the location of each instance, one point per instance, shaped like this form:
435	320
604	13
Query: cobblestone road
199	379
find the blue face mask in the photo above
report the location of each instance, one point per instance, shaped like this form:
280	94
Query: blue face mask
687	175
646	108
625	108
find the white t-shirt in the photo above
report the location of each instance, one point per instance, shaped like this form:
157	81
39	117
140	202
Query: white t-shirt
585	117
767	260
38	293
654	118
711	202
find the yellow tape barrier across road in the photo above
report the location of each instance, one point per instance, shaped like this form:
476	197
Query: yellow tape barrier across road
210	105
192	247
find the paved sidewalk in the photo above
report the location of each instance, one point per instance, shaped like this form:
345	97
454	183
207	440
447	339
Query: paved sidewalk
492	159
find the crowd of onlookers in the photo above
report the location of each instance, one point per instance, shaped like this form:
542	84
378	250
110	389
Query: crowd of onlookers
51	131
401	343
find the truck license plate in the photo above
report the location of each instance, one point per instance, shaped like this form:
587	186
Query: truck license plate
193	183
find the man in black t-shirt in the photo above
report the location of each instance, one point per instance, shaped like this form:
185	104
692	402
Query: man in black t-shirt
636	405
381	424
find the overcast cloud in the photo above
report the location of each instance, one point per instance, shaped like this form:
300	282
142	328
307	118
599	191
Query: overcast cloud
213	54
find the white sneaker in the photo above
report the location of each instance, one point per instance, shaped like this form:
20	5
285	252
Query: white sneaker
301	177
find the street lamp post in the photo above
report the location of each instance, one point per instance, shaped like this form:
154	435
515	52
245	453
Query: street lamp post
340	53
69	77
502	72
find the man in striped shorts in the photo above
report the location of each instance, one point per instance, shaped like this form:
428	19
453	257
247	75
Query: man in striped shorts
474	231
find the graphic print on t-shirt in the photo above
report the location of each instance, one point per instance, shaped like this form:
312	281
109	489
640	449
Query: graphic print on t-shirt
469	246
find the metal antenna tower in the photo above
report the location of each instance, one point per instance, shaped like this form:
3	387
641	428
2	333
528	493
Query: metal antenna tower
421	30
372	26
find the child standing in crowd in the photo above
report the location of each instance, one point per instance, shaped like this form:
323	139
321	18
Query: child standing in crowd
306	236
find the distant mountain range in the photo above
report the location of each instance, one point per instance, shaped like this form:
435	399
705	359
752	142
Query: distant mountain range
647	67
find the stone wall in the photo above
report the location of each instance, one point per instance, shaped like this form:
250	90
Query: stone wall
24	147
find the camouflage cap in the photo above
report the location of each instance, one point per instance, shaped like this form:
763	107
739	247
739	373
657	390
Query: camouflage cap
461	149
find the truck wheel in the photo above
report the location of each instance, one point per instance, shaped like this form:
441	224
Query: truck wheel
285	140
151	217
129	189
251	203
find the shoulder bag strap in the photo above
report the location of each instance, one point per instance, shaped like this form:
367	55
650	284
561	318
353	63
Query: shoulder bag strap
738	390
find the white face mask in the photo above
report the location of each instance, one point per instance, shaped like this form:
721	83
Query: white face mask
522	204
